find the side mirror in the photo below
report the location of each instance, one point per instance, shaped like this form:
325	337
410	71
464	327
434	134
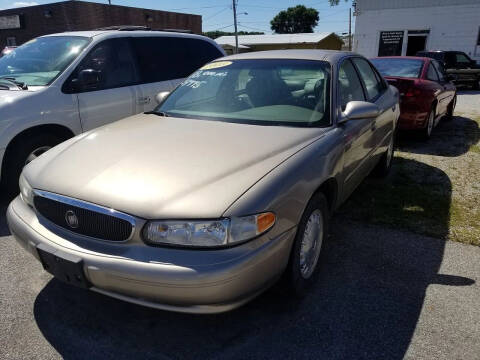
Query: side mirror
357	110
88	79
161	96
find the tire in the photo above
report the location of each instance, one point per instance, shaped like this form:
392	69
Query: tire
451	108
476	85
299	277
21	153
382	169
427	131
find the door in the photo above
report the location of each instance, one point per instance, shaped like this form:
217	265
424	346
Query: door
357	134
165	61
114	96
375	88
415	44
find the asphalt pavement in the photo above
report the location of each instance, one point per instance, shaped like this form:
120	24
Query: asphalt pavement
381	293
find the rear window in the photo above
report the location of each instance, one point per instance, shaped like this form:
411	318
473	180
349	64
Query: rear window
169	57
408	68
433	55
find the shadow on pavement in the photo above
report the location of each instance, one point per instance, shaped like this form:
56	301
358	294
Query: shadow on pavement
3	221
466	91
449	138
415	196
366	304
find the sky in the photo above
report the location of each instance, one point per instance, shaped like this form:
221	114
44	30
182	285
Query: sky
253	15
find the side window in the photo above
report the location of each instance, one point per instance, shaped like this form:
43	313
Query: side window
449	59
431	73
373	86
462	58
349	86
113	62
170	57
440	71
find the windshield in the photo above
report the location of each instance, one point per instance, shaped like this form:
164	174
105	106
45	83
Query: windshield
408	68
261	92
39	61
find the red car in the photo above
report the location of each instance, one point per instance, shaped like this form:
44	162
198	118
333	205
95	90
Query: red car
426	93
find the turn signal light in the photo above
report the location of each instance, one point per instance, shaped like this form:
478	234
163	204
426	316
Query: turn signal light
265	221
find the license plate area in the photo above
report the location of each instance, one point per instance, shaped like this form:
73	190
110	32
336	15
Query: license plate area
65	267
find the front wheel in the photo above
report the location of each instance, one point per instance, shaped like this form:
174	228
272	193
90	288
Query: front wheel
451	108
311	233
427	131
20	154
476	85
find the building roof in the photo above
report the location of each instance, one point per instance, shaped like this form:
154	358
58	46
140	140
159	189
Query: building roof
306	38
332	56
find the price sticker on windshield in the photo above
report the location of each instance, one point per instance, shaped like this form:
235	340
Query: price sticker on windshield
216	65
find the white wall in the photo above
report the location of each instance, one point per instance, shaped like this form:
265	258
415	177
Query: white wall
451	27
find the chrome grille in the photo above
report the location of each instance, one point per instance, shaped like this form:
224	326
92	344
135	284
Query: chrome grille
84	218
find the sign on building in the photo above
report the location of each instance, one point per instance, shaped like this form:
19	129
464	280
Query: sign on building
390	43
10	22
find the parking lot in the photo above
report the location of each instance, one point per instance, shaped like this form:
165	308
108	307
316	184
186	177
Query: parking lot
385	290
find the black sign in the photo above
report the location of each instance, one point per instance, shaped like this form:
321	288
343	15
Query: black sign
390	43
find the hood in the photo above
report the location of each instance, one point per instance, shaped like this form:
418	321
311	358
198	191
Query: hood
162	167
8	97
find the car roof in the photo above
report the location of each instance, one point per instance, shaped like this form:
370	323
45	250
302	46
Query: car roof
403	57
331	56
101	34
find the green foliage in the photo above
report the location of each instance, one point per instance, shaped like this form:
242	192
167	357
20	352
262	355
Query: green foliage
215	34
298	19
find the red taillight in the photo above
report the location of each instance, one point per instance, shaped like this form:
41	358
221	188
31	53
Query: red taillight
412	92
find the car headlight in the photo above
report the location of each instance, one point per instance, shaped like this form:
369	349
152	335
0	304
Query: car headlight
207	233
26	191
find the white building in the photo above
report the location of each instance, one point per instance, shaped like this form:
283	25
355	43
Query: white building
403	27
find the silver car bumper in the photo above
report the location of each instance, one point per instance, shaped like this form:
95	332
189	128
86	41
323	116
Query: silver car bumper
194	281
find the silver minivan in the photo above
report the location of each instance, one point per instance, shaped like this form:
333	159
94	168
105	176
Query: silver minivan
60	85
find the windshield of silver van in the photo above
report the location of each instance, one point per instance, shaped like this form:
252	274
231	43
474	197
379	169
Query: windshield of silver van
261	92
39	61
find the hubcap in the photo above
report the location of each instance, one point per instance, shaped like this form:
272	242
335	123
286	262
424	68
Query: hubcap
36	153
311	244
390	152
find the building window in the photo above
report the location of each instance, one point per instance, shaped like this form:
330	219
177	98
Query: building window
11	41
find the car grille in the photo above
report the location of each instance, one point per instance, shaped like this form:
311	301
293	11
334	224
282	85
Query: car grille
82	220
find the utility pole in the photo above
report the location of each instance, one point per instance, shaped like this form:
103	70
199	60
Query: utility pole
350	29
109	2
235	24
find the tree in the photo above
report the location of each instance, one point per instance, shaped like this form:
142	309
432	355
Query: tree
298	19
335	2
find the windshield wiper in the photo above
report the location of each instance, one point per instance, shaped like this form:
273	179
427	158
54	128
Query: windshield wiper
158	113
12	80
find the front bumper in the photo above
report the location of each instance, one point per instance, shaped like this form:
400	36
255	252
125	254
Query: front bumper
194	281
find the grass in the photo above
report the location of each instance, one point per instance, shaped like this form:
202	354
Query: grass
433	189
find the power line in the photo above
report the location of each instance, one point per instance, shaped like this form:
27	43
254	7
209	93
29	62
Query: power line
217	13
